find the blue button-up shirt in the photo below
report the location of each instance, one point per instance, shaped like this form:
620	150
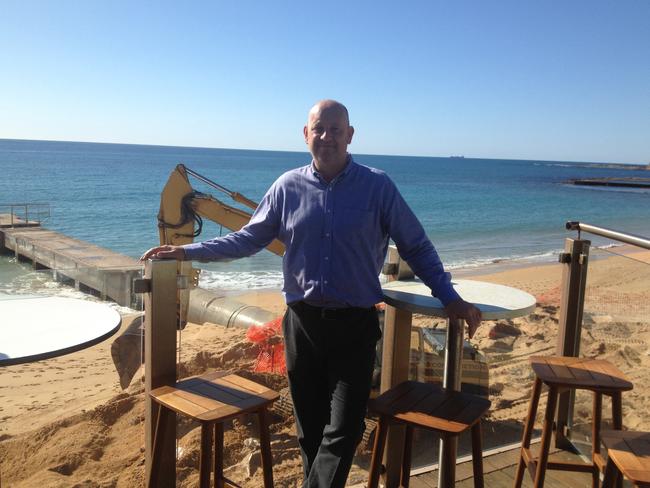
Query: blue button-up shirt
336	236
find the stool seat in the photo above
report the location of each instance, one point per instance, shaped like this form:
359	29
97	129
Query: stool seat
579	373
214	396
630	453
212	399
427	406
560	373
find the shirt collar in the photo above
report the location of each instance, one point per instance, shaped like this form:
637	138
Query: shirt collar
348	167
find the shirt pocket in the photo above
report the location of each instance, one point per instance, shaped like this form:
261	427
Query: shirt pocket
355	224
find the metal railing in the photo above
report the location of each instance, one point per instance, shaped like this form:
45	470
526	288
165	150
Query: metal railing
603	315
610	234
20	214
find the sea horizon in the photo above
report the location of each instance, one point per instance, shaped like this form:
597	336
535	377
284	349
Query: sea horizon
644	165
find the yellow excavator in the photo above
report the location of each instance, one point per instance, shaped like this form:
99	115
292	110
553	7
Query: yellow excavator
181	214
180	220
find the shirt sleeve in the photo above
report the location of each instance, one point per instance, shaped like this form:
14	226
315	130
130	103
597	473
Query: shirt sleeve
253	237
414	246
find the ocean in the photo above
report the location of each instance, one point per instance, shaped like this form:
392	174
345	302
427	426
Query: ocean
476	211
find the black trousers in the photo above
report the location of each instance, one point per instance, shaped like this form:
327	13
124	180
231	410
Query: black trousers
330	358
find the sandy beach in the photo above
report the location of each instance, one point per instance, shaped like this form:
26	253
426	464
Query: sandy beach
66	421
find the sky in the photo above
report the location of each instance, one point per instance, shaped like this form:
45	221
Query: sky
546	80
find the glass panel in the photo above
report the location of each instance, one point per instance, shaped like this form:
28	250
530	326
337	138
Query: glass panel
616	327
495	362
60	392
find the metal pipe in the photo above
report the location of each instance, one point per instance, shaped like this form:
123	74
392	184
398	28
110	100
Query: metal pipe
207	306
451	381
632	239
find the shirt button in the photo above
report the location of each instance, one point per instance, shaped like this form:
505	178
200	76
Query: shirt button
329	211
325	281
327	235
326	258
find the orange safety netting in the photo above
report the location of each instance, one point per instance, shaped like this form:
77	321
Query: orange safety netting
269	337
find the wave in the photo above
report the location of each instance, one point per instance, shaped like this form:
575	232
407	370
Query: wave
478	262
240	280
43	284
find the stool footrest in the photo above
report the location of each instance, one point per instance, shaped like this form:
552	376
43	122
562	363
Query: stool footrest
228	483
571	466
531	464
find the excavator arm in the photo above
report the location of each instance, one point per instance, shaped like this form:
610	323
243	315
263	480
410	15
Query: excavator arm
182	210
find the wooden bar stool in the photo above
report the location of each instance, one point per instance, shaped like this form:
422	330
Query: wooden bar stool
560	374
211	399
426	406
628	454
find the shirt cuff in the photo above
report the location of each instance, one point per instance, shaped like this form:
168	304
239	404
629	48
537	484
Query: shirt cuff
194	252
447	296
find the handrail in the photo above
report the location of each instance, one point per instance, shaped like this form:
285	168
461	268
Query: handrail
21	213
632	239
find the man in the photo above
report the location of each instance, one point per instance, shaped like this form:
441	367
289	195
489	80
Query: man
335	218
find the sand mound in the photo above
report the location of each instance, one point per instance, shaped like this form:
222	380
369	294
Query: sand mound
102	447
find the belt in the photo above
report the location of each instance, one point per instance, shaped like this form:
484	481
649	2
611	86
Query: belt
329	312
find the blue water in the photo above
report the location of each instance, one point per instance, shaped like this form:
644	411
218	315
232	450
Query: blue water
475	210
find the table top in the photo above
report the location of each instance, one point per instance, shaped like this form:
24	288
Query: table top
33	328
494	301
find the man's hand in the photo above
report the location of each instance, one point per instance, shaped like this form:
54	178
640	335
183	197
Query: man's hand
460	309
165	252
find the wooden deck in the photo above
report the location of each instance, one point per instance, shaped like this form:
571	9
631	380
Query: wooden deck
499	470
90	267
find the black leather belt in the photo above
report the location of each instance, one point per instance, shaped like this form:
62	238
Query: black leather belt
330	313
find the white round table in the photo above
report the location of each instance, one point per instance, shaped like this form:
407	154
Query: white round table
407	297
35	328
494	301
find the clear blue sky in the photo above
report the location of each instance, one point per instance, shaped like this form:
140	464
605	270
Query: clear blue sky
557	80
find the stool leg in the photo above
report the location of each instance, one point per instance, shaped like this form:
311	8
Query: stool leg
205	461
217	466
158	441
617	423
477	455
612	474
596	421
547	432
528	431
265	448
377	452
406	460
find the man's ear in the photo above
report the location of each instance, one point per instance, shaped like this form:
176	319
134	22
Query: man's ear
350	134
304	132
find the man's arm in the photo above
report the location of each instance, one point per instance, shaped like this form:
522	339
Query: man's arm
253	237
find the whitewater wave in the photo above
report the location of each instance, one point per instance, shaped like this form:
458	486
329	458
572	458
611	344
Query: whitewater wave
240	280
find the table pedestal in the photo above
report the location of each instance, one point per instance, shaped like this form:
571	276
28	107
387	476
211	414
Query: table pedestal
451	381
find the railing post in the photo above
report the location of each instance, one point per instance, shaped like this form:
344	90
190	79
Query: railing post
160	323
395	365
575	259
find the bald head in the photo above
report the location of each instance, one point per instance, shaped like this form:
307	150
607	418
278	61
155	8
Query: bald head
329	105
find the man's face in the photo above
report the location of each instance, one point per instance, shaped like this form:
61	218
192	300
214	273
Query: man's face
328	133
